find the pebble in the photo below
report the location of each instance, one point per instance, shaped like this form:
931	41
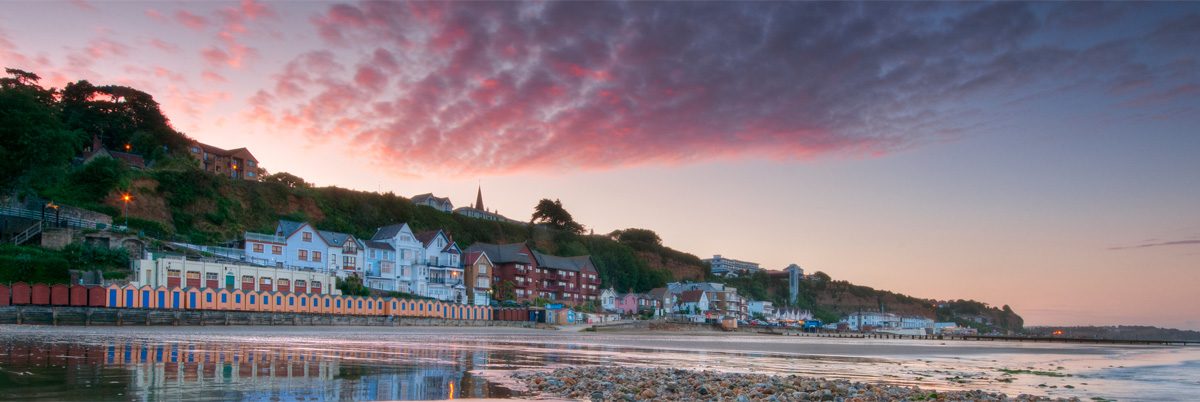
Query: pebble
646	384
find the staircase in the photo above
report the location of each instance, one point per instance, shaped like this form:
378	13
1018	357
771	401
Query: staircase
23	237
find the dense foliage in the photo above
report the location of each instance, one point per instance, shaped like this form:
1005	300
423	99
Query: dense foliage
38	265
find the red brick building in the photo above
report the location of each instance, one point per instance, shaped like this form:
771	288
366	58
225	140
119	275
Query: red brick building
569	280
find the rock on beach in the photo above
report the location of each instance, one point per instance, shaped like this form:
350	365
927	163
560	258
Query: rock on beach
663	384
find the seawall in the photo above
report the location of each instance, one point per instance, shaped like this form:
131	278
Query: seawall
102	316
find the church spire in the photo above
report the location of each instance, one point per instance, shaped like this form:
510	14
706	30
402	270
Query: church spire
479	198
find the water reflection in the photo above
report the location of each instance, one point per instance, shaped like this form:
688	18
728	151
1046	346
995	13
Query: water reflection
147	370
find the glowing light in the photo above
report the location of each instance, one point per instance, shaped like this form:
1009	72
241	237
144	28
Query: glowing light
126	197
128	147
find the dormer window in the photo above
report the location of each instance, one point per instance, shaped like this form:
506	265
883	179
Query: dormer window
307	236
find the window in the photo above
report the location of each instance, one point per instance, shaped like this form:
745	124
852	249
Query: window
277	250
301	283
316	256
302	255
284	283
348	260
316	285
258	247
372	253
211	276
193	274
307	236
174	273
265	281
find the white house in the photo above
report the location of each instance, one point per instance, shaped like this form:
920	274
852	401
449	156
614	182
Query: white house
693	302
299	245
381	265
608	299
439	203
861	320
765	308
408	275
443	260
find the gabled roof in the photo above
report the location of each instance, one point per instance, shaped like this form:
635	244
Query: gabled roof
239	152
503	253
581	263
660	293
335	238
379	245
473	257
420	198
389	231
691	296
286	227
427	236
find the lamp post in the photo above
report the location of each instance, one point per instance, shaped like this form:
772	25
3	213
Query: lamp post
53	206
125	210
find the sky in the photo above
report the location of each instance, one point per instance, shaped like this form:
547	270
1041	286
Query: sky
1043	155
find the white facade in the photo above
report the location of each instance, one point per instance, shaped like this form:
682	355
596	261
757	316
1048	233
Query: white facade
722	266
298	245
172	272
698	306
381	266
409	275
444	266
766	308
860	320
608	299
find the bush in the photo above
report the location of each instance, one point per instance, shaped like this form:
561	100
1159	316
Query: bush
32	265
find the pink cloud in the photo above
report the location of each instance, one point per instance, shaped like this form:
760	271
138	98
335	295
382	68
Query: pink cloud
155	15
447	88
83	5
190	20
164	45
213	77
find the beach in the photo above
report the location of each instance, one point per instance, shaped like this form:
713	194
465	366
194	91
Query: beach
430	363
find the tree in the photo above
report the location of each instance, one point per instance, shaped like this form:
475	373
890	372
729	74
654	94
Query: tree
554	215
35	147
505	290
639	239
287	179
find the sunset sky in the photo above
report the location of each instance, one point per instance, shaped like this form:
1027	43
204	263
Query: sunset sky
1045	156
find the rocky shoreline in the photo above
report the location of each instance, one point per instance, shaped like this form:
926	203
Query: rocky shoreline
661	384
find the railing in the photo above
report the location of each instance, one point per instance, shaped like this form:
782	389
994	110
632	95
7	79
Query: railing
28	233
234	253
265	237
67	221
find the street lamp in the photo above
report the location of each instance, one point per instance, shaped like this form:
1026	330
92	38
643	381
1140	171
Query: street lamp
125	211
53	206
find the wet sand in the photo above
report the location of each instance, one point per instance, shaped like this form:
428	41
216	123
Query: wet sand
487	354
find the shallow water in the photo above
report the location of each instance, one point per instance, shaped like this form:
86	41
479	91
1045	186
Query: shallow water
356	363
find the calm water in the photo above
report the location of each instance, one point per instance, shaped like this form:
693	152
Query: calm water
348	363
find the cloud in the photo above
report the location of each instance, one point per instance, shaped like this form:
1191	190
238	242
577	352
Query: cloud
445	87
192	21
1189	242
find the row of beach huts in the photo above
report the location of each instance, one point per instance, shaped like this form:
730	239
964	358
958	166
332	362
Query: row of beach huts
197	299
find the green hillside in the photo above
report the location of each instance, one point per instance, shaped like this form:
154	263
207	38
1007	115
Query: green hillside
43	129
